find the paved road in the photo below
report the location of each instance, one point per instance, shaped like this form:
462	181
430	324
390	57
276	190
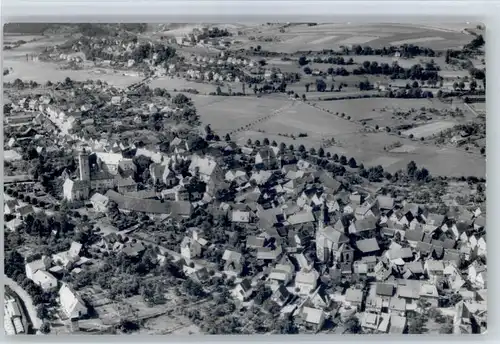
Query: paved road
28	302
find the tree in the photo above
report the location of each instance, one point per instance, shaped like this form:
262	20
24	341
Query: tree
473	85
352	325
343	160
352	163
303	61
411	168
320	85
321	152
282	147
181	99
45	328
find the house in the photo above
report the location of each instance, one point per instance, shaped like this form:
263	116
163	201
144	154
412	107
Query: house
410	293
365	266
71	303
133	249
23	211
233	262
14	224
328	243
320	299
434	269
364	225
125	185
266	158
32	267
66	258
353	298
429	293
367	246
45	280
397	324
190	248
375	322
385	203
281	274
10	206
477	274
243	290
470	317
269	253
313	316
99	202
240	216
397	306
306	281
207	168
281	296
255	242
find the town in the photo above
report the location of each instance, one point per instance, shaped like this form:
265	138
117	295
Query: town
134	206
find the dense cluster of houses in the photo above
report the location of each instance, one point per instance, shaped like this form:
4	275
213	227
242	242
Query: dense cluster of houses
412	258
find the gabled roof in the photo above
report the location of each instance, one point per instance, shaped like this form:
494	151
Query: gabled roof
366	224
414	235
301	217
367	245
231	256
385	202
384	289
354	295
451	255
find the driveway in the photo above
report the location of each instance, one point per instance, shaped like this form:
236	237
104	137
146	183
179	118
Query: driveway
27	300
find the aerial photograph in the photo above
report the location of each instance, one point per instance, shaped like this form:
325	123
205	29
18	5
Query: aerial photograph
260	178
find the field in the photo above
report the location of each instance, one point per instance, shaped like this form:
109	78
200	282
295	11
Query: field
373	108
429	129
328	36
278	119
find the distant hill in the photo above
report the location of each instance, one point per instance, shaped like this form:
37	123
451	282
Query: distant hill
64	28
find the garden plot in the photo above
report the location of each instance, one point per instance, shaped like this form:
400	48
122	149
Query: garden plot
428	130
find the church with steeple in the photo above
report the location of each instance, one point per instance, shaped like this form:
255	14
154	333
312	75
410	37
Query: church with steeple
332	245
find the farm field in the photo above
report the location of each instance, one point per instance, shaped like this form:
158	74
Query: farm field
226	114
328	36
298	117
429	129
371	108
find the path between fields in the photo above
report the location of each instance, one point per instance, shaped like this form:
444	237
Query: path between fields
27	300
275	113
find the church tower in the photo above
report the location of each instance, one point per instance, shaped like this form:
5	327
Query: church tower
83	163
